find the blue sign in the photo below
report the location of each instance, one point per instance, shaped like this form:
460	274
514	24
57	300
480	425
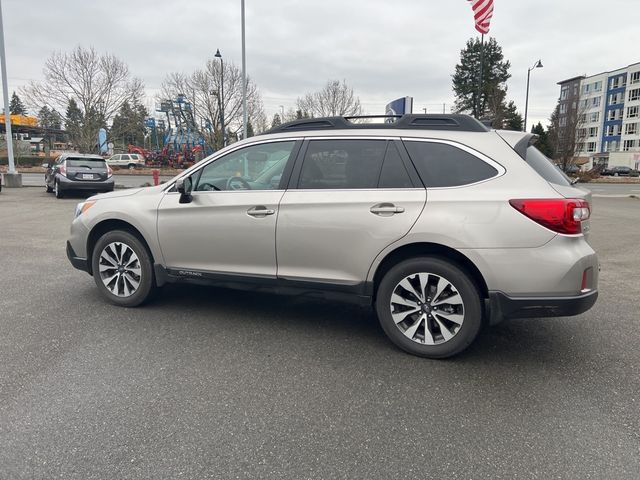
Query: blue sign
400	106
102	140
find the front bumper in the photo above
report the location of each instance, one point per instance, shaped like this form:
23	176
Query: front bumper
78	262
502	306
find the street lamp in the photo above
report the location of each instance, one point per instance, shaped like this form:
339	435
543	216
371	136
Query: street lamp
224	132
538	64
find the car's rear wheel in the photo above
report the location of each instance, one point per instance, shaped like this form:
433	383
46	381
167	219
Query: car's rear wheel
57	190
132	166
122	269
429	307
48	188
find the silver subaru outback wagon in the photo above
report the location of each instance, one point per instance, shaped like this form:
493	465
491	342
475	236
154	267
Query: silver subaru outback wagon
439	223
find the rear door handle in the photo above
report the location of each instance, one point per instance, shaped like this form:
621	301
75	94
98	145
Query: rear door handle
385	209
260	211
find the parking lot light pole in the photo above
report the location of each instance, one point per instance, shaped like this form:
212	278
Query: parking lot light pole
224	133
538	64
13	178
244	76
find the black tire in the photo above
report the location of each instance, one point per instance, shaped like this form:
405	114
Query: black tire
49	189
57	190
466	288
132	166
146	278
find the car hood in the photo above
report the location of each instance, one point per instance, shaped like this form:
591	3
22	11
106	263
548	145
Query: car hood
125	192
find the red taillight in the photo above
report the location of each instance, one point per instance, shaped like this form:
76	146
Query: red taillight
62	170
562	215
109	171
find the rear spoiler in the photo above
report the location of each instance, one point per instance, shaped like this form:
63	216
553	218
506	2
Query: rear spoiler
519	141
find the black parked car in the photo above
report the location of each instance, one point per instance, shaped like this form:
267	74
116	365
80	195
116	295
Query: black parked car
76	171
620	172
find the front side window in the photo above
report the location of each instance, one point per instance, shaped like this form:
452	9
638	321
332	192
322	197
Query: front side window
444	165
257	167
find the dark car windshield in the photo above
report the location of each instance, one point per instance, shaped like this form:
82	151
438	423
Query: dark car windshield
86	162
545	167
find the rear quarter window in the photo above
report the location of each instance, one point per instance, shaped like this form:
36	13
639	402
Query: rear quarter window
545	167
444	165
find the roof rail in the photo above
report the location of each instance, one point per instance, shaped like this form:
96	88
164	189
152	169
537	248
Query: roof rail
451	122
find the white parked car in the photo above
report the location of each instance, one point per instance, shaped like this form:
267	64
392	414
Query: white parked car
128	160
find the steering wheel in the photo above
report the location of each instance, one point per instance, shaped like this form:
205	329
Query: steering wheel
207	187
237	183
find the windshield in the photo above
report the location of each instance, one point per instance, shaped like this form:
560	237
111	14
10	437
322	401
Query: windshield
545	167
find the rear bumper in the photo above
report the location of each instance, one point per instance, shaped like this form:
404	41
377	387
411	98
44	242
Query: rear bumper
78	262
93	185
502	306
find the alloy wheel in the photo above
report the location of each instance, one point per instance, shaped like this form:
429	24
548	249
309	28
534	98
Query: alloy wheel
427	308
120	269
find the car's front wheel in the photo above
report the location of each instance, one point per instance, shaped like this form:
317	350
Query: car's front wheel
122	269
429	307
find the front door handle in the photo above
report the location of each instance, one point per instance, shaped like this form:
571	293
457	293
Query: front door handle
260	211
385	209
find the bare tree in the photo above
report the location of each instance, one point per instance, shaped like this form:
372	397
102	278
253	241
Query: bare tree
98	83
203	89
567	135
335	99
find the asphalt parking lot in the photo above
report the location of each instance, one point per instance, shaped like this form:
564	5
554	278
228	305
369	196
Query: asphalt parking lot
213	383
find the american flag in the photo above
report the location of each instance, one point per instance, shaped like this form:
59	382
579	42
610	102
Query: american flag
482	13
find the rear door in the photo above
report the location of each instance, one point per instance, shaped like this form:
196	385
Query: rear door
349	198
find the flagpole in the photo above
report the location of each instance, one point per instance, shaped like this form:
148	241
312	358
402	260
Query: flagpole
479	101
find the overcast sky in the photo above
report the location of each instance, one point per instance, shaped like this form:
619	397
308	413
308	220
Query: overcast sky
383	49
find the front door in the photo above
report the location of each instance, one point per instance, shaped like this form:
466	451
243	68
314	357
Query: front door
229	226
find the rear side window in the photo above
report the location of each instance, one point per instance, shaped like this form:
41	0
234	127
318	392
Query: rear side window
394	174
444	165
85	162
342	164
545	167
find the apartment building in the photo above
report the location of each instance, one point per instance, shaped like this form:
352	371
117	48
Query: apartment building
605	110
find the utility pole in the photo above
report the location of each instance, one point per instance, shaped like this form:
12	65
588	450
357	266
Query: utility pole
244	77
12	178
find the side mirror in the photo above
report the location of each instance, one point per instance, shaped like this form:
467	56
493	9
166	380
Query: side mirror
184	186
45	165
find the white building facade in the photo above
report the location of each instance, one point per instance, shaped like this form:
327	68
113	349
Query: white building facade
608	108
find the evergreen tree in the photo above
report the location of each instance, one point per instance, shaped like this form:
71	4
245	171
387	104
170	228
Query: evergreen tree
250	130
74	122
494	79
128	125
543	143
16	107
277	121
512	119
